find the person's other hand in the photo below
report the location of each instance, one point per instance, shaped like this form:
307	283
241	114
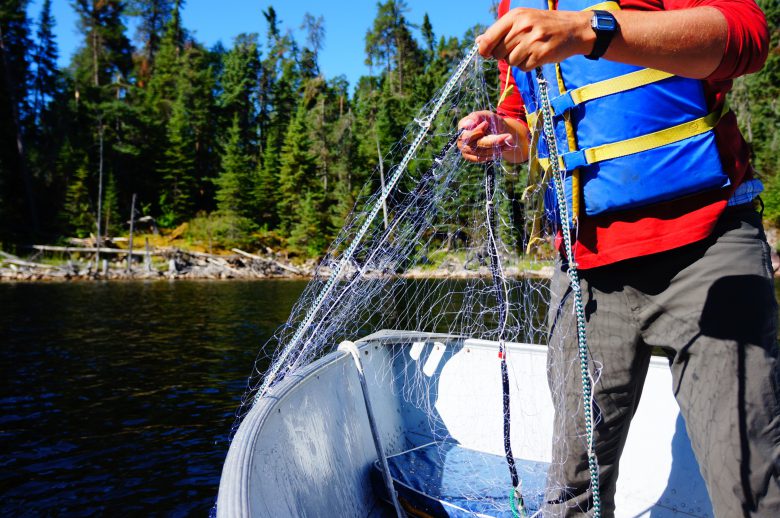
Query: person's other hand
485	136
528	38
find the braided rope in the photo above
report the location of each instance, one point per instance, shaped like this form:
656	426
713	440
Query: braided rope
574	278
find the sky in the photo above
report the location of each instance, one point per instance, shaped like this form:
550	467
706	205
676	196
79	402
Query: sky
346	23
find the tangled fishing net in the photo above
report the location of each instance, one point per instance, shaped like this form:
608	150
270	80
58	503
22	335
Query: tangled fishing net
440	246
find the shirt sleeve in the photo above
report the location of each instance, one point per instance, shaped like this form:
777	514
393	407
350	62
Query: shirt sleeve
510	101
747	43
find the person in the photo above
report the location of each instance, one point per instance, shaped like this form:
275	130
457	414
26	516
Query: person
670	248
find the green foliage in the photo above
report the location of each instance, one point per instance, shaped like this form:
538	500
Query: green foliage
306	236
243	137
298	168
755	99
176	201
221	231
78	216
234	184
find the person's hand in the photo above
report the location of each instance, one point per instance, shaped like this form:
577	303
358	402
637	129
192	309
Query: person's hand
485	136
528	38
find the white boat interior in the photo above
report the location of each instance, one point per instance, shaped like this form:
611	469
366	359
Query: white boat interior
306	448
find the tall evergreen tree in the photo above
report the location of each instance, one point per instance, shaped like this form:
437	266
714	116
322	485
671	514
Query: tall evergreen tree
46	73
77	214
297	172
154	16
178	184
239	84
161	92
16	184
234	184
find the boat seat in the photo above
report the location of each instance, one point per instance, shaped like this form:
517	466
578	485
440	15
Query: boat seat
446	479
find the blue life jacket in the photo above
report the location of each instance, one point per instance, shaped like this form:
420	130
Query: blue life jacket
628	136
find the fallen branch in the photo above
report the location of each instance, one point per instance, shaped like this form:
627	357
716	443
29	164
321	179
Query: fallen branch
27	264
290	269
88	250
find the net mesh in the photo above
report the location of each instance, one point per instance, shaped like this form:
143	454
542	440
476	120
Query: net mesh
428	253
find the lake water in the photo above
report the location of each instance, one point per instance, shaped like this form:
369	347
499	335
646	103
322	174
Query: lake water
117	398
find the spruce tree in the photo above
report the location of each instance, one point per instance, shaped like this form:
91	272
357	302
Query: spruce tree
176	199
239	83
46	73
77	214
297	172
234	184
18	209
154	16
306	235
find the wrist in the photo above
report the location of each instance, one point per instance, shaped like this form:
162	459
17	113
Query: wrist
586	37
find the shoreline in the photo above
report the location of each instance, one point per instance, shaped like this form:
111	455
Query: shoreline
24	276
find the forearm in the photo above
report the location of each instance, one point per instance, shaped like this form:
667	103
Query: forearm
518	153
686	42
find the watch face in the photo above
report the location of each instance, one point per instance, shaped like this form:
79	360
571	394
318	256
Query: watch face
603	21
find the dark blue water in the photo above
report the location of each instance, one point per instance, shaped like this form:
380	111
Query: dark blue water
117	398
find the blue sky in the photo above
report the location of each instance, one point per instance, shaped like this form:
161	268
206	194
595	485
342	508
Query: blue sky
346	23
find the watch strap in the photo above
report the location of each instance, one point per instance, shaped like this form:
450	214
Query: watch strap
603	36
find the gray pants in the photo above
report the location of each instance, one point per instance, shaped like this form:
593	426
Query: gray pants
711	308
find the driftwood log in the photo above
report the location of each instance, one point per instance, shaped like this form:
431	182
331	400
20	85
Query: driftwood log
175	263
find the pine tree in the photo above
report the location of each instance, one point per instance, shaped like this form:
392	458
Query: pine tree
161	92
234	184
16	182
77	213
266	188
111	216
297	172
154	16
176	199
45	54
306	236
390	43
239	82
107	52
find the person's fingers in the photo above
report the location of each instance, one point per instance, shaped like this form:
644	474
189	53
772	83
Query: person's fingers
468	122
493	35
496	142
474	118
488	147
477	133
521	59
472	158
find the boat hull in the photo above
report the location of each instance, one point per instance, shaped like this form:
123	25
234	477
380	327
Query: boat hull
306	448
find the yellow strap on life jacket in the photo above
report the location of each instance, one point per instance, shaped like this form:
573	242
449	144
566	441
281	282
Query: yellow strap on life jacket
604	6
647	142
656	139
617	84
611	86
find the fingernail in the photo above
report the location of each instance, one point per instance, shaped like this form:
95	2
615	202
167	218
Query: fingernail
509	141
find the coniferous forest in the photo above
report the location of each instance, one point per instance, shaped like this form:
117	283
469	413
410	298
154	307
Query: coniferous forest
250	143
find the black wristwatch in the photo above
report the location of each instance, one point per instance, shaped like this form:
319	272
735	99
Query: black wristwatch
605	26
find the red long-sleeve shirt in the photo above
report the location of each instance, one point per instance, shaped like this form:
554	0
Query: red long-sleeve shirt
609	238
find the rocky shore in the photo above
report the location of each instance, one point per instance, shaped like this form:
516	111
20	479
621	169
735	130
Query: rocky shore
161	263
